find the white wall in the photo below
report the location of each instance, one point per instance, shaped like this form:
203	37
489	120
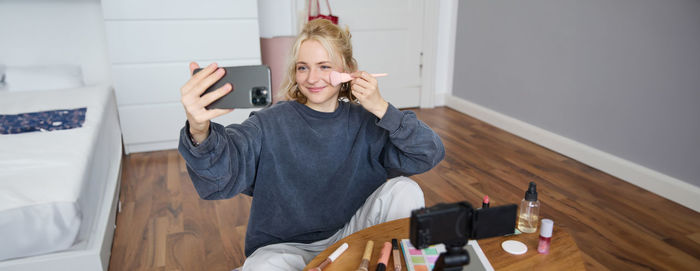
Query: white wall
277	18
55	32
39	32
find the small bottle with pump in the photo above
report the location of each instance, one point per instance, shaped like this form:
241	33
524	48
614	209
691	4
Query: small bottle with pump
528	214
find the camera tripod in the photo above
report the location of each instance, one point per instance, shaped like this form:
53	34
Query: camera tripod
453	259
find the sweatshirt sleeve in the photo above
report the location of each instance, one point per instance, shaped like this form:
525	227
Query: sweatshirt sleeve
224	164
413	147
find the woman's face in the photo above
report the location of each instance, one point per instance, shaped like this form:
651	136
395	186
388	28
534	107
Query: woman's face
313	69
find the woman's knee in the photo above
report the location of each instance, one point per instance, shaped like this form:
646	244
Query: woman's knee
275	257
406	188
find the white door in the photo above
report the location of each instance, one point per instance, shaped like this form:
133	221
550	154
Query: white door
386	38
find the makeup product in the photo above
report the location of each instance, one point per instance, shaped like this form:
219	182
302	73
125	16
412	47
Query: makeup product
514	247
366	256
396	253
425	259
545	236
528	215
384	257
340	77
485	203
421	259
332	257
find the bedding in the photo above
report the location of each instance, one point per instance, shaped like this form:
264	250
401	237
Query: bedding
51	183
26	78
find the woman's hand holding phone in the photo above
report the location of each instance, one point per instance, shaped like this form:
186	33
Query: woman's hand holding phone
195	104
366	89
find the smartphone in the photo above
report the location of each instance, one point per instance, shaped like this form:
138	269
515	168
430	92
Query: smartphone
251	87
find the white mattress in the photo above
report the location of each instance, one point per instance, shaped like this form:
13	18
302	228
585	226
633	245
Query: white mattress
45	177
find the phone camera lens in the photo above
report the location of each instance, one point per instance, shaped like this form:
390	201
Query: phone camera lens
259	96
260	92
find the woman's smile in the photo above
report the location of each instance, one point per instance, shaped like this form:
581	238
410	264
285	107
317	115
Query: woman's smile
316	89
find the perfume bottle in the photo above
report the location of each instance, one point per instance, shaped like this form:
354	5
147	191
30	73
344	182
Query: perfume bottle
528	214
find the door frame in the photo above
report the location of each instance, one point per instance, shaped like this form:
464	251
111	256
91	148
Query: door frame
431	10
439	32
446	32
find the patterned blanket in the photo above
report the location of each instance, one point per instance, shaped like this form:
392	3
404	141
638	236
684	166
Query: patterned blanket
43	121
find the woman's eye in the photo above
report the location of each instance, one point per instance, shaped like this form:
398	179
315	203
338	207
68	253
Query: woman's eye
325	67
301	68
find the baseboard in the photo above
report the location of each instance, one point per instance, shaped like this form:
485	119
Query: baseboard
653	181
151	146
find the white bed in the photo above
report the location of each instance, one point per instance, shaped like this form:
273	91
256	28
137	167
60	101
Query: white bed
59	189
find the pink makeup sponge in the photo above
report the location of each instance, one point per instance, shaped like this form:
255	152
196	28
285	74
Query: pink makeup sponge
340	77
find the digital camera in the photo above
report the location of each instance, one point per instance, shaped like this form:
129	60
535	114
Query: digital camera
453	224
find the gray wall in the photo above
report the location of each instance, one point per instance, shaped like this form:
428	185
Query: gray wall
620	76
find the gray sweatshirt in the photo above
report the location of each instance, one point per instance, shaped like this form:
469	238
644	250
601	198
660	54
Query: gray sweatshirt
307	171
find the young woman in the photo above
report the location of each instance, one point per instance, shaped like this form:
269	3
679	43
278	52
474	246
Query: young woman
316	167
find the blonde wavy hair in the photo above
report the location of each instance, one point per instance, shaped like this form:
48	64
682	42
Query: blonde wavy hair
336	41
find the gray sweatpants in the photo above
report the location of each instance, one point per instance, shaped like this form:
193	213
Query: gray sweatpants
395	199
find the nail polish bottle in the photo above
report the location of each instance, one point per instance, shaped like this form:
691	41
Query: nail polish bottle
545	236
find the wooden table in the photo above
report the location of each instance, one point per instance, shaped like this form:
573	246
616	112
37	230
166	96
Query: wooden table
563	254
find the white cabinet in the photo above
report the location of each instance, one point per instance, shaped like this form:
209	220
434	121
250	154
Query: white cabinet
150	45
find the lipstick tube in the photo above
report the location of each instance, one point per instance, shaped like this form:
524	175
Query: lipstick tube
384	257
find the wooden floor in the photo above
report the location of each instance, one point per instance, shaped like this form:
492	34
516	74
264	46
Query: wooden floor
163	224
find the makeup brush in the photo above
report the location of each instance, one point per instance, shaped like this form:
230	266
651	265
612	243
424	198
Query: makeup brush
340	77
